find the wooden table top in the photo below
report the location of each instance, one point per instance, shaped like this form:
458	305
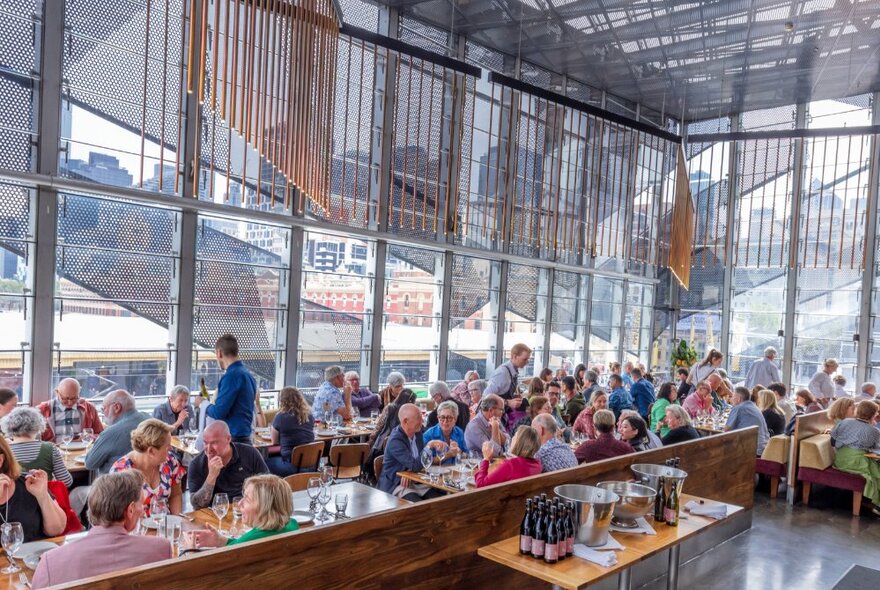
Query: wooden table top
874	456
575	573
356	430
70	461
362	500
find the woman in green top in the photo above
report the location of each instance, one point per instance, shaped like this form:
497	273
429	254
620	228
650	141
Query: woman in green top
266	506
667	395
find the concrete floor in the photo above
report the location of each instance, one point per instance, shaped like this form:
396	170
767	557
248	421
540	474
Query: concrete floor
788	547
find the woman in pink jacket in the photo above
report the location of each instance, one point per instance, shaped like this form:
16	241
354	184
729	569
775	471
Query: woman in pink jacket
524	446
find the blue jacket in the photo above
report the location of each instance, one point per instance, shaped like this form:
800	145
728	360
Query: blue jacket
456	435
114	442
398	457
642	392
618	401
236	393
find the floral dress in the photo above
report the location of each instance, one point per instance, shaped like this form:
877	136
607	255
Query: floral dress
171	473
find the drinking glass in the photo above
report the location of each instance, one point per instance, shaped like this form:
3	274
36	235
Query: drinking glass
12	537
341	505
171	531
87	435
324	497
427	458
327	474
193	426
66	439
355	414
236	514
220	506
374	417
314	488
158	509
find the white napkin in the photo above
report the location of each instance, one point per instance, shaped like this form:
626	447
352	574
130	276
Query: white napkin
716	511
610	545
644	528
602	558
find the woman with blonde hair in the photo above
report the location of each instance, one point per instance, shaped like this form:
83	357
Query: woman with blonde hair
266	505
773	414
292	426
853	438
151	455
524	447
841	409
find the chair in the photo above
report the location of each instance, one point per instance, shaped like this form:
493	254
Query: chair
59	491
348	460
299	481
816	467
377	466
307	456
773	462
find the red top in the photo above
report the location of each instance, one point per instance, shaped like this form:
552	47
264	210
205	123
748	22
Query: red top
510	469
604	447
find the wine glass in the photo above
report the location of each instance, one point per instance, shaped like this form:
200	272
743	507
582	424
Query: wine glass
87	435
12	537
220	506
236	514
66	439
427	458
314	488
326	475
324	499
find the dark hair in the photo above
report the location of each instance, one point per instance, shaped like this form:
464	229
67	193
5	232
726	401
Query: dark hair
778	389
615	377
406	396
553	383
682	371
711	356
545	372
743	393
591	376
639	425
568	382
227	344
636	373
580	368
666	390
6	394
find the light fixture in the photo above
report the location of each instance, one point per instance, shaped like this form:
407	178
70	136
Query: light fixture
789	26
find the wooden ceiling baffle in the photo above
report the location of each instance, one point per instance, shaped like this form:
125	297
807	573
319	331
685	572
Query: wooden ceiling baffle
682	239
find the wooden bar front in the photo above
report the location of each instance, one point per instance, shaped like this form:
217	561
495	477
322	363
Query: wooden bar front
433	543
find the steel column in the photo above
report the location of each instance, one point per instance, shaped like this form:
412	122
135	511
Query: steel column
445	263
869	262
289	334
180	332
732	196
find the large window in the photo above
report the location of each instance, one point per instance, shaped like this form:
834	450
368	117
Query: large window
525	313
16	288
568	320
637	323
605	320
115	270
241	277
473	314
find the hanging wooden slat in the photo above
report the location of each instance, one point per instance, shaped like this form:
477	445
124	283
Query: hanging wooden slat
682	244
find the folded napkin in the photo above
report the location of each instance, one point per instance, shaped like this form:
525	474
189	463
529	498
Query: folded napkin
603	558
610	545
716	511
644	528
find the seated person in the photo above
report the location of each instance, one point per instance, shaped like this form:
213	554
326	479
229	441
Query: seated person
553	454
388	421
700	401
605	445
222	467
665	396
840	409
744	414
25	498
439	392
461	390
853	437
151	455
679	422
653	439
584	422
773	416
524	447
176	410
475	390
404	453
447	432
330	400
574	399
25	425
537	405
68	413
266	505
781	393
396	381
634	431
362	398
121	417
620	399
486	426
115	509
553	392
292	426
721	391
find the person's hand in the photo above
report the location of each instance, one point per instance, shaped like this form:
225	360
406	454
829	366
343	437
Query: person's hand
215	466
488	451
514	403
197	400
207	538
453	448
184	414
437	445
35	482
346	390
495	423
5	483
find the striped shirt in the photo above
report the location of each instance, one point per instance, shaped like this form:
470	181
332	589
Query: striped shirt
25	452
855	434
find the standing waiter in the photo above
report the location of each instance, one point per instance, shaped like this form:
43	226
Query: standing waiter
505	379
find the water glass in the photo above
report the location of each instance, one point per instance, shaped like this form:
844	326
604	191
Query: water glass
88	435
374	417
158	509
327	474
355	414
236	514
341	505
11	537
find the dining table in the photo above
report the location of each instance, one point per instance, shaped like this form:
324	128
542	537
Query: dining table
362	500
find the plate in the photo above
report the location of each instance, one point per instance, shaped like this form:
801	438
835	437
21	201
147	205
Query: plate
362	420
80	459
34	547
152	524
303	516
325	432
344	431
262	430
74	446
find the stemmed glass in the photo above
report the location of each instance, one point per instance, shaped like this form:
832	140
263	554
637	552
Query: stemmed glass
236	514
66	439
326	475
220	506
324	497
12	538
314	488
427	458
87	435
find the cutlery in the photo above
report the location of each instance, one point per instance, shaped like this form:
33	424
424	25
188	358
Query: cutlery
24	579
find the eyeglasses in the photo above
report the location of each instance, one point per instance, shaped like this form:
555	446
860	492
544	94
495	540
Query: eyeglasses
446	418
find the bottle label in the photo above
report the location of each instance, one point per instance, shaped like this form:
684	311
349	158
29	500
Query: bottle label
551	552
525	543
570	546
670	514
537	548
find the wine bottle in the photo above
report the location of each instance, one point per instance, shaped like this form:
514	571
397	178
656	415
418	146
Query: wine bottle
538	534
551	545
525	531
203	390
562	528
659	502
572	529
670	511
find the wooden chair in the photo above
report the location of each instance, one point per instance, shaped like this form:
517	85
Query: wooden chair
307	456
348	460
377	466
299	481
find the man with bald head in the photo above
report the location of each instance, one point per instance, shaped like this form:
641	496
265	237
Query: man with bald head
721	393
121	417
222	467
68	413
486	425
403	452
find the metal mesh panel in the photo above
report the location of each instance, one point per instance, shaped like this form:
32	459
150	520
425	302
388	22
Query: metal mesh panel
522	286
17	35
16	96
424	36
360	13
14	211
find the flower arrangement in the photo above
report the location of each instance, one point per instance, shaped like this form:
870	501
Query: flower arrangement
683	355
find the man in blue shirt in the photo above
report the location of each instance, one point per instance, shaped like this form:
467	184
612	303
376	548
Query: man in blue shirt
642	392
744	414
122	417
236	392
619	399
330	398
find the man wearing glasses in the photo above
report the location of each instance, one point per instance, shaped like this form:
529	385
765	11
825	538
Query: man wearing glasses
68	413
